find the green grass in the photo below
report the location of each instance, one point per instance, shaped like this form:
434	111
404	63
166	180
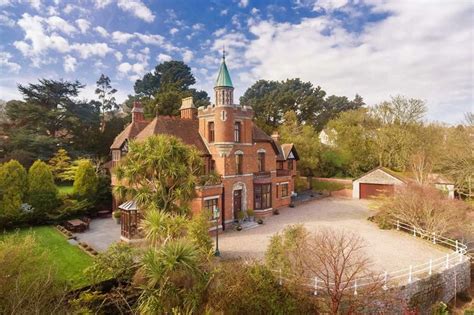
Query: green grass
69	260
328	186
65	190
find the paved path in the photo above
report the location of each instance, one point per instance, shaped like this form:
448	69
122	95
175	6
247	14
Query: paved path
388	249
101	234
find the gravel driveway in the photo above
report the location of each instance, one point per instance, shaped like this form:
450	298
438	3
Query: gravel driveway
388	249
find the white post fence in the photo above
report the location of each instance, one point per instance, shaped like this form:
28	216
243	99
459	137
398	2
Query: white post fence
402	276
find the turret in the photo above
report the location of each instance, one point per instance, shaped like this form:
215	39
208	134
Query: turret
224	90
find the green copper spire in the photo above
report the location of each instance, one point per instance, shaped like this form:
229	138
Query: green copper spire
223	79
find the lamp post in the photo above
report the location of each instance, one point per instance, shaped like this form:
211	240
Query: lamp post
216	217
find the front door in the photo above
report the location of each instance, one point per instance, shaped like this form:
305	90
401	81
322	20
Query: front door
237	202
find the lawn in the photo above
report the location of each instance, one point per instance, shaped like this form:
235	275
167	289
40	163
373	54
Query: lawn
69	259
65	190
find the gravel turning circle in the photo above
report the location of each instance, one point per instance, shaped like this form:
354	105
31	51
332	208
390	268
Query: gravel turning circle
388	249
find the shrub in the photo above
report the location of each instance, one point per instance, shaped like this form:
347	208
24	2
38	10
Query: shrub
115	263
42	192
425	208
60	163
301	184
239	288
198	231
28	282
85	181
13	189
117	214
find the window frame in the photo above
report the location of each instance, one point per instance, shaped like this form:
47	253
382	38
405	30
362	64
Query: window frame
262	193
261	162
211	202
239	163
290	165
285	190
211	131
238	132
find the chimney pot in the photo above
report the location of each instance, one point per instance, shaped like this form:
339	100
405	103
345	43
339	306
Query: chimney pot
276	136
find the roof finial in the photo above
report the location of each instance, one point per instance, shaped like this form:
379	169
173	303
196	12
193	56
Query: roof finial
223	52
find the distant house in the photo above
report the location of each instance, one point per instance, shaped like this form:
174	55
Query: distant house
383	181
325	139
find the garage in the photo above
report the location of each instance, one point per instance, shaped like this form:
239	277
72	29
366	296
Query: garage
377	182
368	191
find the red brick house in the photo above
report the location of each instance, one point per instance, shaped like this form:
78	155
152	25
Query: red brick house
257	172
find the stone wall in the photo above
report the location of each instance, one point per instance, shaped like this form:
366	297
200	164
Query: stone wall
441	286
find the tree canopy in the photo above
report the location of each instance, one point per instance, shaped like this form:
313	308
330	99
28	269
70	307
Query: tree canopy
272	99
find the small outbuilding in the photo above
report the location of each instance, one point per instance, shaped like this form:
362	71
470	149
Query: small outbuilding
379	181
383	181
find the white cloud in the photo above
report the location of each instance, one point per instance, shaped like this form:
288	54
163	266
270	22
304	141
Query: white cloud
329	5
243	3
406	53
70	63
100	4
121	38
6	20
198	26
133	71
118	55
254	11
163	58
55	23
219	32
7	64
72	7
187	56
224	12
102	31
137	8
174	30
86	50
83	25
35	4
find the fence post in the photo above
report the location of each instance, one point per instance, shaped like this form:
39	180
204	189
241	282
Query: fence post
414	231
315	285
460	256
355	288
410	274
431	266
457	246
280	281
398	225
447	261
385	276
434	238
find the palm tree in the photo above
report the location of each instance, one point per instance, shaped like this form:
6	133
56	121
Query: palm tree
160	171
174	279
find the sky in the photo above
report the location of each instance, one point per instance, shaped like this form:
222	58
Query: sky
376	48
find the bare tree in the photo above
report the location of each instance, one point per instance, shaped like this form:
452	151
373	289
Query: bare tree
332	263
421	167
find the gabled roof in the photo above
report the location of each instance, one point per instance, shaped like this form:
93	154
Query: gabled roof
130	132
223	78
258	135
185	129
386	170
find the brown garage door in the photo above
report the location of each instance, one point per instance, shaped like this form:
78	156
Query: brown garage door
373	190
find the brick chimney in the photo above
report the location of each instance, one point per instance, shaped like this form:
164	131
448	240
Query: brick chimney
276	136
137	112
188	111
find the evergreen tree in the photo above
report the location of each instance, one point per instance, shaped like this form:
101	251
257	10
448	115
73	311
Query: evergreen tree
59	164
42	192
85	181
13	188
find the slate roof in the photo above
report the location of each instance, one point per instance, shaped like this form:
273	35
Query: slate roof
185	129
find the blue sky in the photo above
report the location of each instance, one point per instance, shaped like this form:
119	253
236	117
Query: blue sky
377	48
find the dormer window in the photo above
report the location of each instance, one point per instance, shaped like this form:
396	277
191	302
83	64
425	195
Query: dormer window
211	134
237	130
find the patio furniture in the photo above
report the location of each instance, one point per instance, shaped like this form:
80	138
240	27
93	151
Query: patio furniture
87	221
76	226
